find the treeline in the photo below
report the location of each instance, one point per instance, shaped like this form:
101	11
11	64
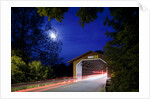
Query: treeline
34	55
26	72
35	71
122	51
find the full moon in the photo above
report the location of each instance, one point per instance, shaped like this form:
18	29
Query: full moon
53	35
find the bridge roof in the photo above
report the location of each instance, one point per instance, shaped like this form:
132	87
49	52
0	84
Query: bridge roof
101	56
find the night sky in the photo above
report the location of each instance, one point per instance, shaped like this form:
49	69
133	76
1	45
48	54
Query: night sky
77	40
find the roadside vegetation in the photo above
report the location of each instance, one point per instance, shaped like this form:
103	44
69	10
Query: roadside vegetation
102	90
22	72
33	71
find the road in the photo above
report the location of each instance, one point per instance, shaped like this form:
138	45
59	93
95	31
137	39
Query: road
87	85
90	84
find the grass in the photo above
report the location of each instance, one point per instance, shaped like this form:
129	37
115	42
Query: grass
27	87
102	90
22	86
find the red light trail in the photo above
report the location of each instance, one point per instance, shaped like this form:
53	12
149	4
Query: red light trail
62	83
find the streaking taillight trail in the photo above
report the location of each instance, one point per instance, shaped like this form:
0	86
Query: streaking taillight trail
63	83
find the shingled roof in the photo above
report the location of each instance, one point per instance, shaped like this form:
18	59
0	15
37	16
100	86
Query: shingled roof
101	56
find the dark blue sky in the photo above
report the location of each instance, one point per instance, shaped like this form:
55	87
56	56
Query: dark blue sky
77	40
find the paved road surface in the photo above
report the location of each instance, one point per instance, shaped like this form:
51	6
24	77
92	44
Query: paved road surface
93	84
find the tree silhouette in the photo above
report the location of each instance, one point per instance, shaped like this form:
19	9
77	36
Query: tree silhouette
123	51
30	34
86	14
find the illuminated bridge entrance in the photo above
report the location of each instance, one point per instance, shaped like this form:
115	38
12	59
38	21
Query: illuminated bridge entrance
87	64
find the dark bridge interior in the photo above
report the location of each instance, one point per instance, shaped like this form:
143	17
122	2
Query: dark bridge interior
90	67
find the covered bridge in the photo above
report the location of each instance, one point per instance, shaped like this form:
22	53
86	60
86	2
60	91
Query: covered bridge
87	64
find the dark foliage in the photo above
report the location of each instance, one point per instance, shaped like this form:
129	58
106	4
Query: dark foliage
29	34
33	52
62	70
53	12
88	14
123	51
100	51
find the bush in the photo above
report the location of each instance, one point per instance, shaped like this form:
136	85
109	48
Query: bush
18	67
34	71
38	71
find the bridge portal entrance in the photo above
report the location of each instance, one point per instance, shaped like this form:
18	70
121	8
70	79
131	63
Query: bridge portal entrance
87	64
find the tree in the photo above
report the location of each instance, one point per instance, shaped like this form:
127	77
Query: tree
30	34
63	70
38	71
53	12
18	68
100	51
33	71
60	70
86	14
123	51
